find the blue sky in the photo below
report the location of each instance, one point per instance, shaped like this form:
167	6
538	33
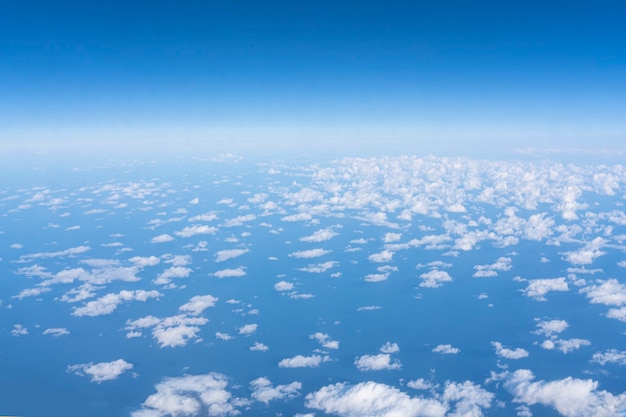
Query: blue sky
410	76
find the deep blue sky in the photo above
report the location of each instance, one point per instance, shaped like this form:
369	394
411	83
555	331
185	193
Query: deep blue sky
415	75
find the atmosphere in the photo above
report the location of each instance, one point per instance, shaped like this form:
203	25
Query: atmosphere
399	76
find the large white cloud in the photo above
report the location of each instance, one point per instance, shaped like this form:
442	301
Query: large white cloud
434	278
570	397
103	371
538	288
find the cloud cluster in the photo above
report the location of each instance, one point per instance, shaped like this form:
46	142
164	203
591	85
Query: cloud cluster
103	371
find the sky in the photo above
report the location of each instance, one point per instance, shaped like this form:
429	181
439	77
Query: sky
445	76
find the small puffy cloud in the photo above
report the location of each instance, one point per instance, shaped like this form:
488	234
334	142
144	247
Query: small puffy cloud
391	237
310	253
247	329
319	268
587	254
570	397
259	347
19	330
263	390
380	257
283	286
610	356
420	384
223	336
205	217
507	353
170	331
56	331
162	238
610	292
551	327
300	361
297	217
325	340
372	399
224	255
239	220
390	348
230	273
109	302
196	230
198	303
376	277
446	349
173	272
143	261
538	288
103	371
564	345
491	270
434	278
321	235
381	361
67	252
191	395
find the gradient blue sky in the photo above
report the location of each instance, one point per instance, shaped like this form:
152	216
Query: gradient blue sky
231	75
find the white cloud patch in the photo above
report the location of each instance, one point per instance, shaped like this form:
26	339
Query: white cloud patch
319	268
310	253
263	390
300	361
171	273
610	292
434	278
570	397
56	331
162	238
103	371
196	230
230	273
325	340
283	286
446	349
19	330
170	331
224	255
191	395
587	254
321	235
108	303
259	347
381	361
198	303
610	356
491	270
381	257
538	288
248	329
507	353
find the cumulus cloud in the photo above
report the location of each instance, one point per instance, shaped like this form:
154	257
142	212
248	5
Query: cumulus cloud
19	330
565	345
610	292
325	340
381	361
300	361
491	270
162	238
103	371
390	348
434	278
170	331
191	395
230	273
587	254
173	272
319	268
247	329
538	288
571	397
56	331
381	257
263	390
551	327
259	347
109	302
198	303
196	230
446	349
310	253
610	356
45	255
283	286
321	235
224	255
507	353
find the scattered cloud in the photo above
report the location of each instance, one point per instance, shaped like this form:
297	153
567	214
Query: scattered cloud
300	361
446	350
103	371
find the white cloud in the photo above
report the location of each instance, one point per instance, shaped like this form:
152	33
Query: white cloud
325	340
321	235
551	327
610	356
507	353
196	230
297	217
19	330
311	253
381	361
230	273
109	302
420	384
247	329
434	278
143	261
391	237
57	331
491	270
390	348
564	345
259	347
206	217
319	268
376	277
224	255
191	395
103	371
384	256
372	399
223	336
173	272
198	303
283	286
170	331
587	254
446	349
162	238
239	220
538	288
610	292
571	397
300	361
263	390
67	252
369	308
